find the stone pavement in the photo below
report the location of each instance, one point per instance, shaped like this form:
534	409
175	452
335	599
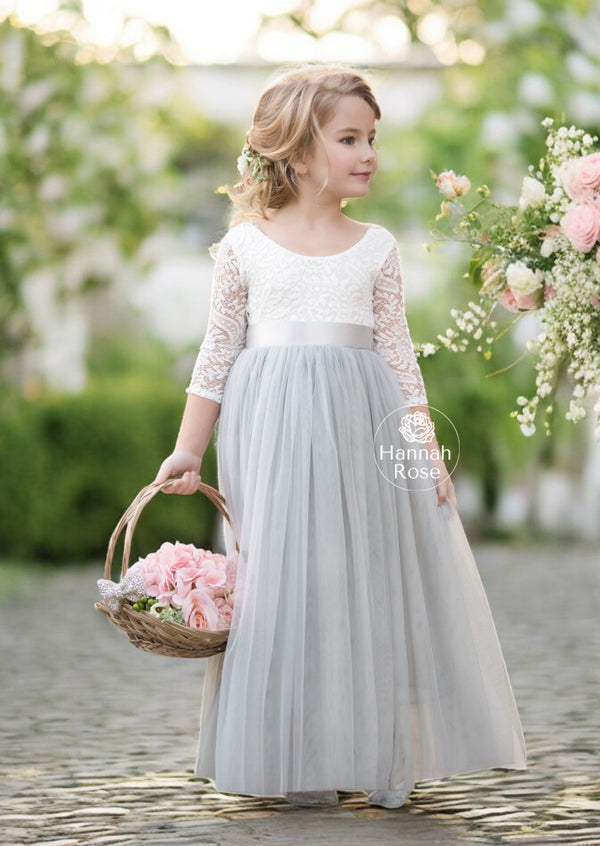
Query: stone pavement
98	739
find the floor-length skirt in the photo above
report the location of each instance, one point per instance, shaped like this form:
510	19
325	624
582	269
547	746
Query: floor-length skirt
362	653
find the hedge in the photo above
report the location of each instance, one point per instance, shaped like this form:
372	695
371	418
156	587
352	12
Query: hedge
70	464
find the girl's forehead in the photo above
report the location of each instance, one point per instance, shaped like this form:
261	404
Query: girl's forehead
351	112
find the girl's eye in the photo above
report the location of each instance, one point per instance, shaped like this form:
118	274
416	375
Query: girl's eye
348	138
372	142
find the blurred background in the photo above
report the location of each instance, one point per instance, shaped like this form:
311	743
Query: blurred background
119	120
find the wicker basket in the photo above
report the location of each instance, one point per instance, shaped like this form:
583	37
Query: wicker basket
145	630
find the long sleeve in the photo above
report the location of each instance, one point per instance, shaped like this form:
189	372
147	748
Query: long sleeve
391	337
226	331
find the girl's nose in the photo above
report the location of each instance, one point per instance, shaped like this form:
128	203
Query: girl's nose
368	154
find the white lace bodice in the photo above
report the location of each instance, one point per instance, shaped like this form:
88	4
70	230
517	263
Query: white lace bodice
258	280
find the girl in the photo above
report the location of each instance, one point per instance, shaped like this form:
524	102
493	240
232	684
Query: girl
362	653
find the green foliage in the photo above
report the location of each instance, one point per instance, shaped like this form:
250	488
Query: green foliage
92	163
478	403
71	465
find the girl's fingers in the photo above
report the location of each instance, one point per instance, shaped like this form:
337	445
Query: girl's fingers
188	484
445	490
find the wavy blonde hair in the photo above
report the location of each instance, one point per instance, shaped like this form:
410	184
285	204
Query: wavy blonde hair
285	127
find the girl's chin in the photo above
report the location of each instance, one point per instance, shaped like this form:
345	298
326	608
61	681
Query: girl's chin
354	195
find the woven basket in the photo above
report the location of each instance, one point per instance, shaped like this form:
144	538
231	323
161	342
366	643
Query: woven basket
145	630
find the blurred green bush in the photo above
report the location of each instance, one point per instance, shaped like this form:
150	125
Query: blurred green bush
71	464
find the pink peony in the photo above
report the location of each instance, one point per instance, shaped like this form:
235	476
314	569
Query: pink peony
199	611
581	177
581	225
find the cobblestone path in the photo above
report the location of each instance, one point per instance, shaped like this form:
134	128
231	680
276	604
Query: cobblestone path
98	739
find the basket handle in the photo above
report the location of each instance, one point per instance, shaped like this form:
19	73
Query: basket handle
132	514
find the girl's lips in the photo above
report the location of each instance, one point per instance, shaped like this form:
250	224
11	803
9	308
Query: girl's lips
365	175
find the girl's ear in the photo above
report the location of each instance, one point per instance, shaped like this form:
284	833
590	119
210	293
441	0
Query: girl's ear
299	166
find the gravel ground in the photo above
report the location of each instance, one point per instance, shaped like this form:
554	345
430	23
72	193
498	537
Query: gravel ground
98	739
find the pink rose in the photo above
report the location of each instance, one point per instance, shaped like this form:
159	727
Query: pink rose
225	607
186	580
152	572
595	300
452	185
225	616
514	301
199	611
581	225
213	577
231	568
549	292
581	177
166	554
184	555
528	302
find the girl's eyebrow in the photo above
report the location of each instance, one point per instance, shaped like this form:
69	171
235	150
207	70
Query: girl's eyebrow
352	129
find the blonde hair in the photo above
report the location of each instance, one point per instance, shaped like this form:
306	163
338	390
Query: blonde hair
285	126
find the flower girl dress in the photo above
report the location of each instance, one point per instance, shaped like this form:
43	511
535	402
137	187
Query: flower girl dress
362	653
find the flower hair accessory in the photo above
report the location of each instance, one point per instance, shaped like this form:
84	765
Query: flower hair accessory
250	159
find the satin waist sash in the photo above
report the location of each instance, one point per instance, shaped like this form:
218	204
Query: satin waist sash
292	332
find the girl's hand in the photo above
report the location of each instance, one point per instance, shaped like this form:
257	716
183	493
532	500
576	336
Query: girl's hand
444	486
182	464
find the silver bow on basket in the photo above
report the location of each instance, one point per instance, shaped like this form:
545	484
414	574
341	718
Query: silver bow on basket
131	587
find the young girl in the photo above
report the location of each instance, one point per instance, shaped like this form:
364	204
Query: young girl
362	653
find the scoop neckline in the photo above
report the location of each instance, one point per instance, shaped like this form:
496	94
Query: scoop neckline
368	227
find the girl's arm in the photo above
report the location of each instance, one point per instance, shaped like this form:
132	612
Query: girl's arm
225	338
393	342
445	486
199	419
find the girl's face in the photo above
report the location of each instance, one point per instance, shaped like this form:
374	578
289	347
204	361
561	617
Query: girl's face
345	158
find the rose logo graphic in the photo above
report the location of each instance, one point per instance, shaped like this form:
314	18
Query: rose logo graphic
417	428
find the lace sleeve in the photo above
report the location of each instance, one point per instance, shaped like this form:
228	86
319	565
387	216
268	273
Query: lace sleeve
391	337
226	331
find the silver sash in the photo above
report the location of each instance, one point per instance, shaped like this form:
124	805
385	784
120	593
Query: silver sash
292	332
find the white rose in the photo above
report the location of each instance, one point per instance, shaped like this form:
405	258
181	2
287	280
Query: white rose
548	247
242	165
532	192
521	279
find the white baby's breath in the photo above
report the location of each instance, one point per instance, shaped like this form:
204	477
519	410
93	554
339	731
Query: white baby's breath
522	260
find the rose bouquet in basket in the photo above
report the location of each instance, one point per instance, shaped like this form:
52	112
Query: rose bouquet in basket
179	583
541	256
177	601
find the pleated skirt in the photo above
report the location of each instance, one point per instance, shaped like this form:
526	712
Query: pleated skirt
362	654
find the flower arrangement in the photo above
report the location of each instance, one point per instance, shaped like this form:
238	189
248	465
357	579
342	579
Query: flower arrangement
181	584
251	164
541	256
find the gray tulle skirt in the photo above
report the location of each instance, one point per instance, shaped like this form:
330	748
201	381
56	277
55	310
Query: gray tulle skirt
362	654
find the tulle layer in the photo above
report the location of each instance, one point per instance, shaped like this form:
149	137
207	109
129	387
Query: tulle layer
363	654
